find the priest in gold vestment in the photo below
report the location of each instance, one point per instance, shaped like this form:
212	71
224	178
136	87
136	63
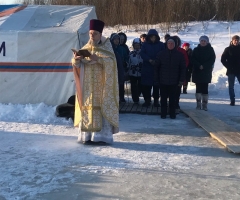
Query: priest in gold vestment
97	103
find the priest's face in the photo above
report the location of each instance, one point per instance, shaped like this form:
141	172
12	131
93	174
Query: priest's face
94	36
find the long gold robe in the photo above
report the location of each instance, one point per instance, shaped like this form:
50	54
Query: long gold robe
97	89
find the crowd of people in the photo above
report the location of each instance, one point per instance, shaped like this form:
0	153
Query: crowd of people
148	75
155	69
162	70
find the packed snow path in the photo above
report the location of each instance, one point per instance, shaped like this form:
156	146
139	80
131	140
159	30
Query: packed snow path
151	158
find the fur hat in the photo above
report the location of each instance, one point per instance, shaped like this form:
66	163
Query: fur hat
205	38
235	37
96	25
185	44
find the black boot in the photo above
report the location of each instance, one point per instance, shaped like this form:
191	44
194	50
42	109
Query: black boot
146	104
156	103
163	112
184	90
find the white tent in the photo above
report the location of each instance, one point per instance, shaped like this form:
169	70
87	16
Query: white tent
35	51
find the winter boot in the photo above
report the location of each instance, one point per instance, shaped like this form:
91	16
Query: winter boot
185	85
204	101
147	103
156	103
185	89
232	102
198	99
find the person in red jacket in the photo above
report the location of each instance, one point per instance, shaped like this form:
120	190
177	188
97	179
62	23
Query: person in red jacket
186	47
178	93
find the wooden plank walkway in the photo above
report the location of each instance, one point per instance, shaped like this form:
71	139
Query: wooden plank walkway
137	108
225	134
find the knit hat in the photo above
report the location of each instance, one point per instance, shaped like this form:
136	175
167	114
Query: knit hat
171	39
96	25
235	37
136	40
205	38
185	44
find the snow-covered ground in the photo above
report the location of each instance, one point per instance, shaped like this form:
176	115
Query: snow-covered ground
151	158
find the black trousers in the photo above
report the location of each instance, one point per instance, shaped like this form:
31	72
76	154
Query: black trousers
121	91
168	91
178	94
202	88
136	88
146	91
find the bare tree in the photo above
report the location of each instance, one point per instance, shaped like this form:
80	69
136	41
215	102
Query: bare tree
177	13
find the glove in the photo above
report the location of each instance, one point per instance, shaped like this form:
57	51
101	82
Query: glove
180	84
152	62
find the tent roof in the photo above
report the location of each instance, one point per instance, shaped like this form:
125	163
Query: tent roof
6	7
42	18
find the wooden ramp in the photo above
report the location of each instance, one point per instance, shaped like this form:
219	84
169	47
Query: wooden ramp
225	134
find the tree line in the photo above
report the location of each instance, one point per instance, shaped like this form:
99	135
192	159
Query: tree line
127	12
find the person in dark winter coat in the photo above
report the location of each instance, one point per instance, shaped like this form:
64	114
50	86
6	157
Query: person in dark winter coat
134	70
203	59
231	60
178	94
170	69
149	51
115	41
186	47
125	54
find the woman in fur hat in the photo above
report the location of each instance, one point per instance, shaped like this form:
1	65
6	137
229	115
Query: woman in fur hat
203	59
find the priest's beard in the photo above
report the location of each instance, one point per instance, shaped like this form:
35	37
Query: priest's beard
93	43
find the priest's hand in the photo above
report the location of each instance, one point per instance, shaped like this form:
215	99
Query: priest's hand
76	57
94	57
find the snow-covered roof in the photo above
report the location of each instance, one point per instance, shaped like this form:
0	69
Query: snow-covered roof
46	18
